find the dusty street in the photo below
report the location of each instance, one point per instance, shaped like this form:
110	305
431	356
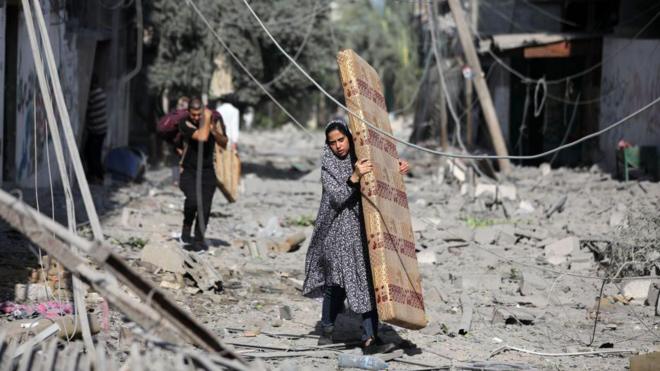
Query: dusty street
496	258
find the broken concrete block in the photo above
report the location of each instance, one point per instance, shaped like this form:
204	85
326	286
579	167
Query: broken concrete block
170	285
525	207
32	292
457	169
487	282
498	192
618	219
205	276
545	168
652	296
557	252
637	289
507	235
486	235
291	243
165	256
427	256
509	316
252	332
285	313
530	283
421	202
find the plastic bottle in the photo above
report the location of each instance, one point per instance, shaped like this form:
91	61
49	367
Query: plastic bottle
363	362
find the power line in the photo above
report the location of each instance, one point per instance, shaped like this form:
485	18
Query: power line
428	150
244	68
527	79
310	28
422	79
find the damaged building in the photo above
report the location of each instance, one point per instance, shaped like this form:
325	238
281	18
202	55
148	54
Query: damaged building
557	71
89	38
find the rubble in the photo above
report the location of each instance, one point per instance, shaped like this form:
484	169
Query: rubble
557	252
427	257
509	316
638	290
530	283
653	293
486	235
166	256
483	260
287	245
496	192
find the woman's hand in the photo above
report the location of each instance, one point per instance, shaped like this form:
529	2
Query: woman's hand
404	167
362	167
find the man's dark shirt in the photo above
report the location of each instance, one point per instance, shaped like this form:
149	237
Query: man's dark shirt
189	161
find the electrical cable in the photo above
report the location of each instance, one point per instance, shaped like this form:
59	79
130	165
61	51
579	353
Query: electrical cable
428	150
568	129
310	28
527	79
245	69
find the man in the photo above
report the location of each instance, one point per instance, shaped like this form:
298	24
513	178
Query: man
97	127
200	131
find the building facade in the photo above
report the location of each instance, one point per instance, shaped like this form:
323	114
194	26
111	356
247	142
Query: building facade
88	38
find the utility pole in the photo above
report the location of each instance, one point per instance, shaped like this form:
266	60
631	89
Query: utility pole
441	131
480	85
469	89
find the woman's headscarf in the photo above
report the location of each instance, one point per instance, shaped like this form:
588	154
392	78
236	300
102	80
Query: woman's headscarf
338	124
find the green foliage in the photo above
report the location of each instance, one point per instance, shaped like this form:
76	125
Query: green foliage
186	48
473	222
185	54
133	242
301	221
386	40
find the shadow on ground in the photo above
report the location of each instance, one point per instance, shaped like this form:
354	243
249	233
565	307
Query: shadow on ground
348	330
270	171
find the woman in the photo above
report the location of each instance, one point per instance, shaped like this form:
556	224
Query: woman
337	265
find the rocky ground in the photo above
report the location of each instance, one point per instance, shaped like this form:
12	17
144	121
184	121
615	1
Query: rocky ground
527	260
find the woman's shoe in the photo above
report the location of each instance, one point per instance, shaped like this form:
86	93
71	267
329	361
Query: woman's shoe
326	336
376	346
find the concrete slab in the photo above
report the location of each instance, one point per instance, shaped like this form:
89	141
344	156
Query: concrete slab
558	252
167	257
637	289
486	235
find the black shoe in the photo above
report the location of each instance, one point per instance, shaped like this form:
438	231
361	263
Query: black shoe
326	336
377	346
185	234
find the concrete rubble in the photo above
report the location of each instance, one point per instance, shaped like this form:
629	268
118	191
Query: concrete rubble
501	277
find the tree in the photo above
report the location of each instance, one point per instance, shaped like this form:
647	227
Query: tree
186	48
383	36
